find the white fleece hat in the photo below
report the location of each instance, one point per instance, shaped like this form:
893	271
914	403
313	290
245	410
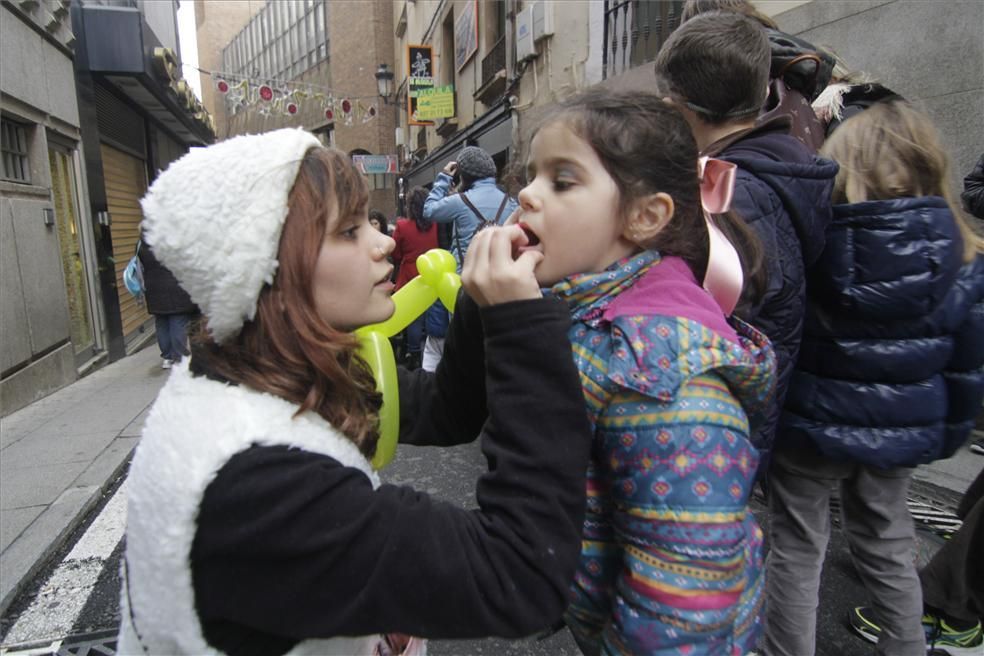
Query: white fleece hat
214	219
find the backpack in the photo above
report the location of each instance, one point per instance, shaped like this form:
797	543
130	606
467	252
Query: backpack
798	73
133	275
483	223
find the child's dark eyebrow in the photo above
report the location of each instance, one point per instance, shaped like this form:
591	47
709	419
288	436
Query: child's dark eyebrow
556	162
553	163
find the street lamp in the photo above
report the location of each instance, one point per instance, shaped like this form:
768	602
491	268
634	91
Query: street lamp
384	83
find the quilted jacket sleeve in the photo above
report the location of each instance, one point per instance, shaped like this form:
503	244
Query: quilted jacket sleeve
964	374
779	312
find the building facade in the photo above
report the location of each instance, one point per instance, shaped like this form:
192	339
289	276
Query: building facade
302	63
49	298
553	50
93	106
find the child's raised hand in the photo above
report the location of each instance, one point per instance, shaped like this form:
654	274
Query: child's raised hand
491	275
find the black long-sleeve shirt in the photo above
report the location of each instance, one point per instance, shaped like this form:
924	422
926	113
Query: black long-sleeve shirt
293	545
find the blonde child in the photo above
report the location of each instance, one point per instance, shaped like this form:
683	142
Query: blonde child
889	376
671	554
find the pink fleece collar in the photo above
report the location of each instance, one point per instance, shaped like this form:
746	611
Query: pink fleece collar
669	288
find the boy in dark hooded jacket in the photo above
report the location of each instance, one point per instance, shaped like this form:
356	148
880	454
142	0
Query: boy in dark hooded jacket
715	69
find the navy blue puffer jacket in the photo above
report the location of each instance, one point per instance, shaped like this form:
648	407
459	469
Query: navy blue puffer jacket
783	193
891	367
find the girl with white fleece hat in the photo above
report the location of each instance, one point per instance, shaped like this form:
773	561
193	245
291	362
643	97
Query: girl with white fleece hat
256	524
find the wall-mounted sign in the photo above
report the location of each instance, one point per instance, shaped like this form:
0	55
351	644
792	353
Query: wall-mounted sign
420	75
465	34
376	163
166	66
437	102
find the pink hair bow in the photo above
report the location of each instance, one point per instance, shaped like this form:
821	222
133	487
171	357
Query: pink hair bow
724	277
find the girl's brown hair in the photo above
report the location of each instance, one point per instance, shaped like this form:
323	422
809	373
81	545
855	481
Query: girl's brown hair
287	350
647	147
892	150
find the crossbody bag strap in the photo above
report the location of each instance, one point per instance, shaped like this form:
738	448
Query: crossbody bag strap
502	206
481	218
482	221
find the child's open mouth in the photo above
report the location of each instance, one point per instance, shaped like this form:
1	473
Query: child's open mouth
532	244
533	239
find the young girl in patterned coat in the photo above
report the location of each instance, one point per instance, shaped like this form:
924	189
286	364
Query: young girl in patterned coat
671	556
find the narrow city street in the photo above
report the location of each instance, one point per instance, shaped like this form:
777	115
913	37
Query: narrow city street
72	606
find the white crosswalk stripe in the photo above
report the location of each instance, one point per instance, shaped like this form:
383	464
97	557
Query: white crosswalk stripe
63	596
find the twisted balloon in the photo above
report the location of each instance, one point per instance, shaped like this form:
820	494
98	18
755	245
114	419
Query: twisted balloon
436	279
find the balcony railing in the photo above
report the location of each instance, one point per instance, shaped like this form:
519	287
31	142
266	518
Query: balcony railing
495	61
634	32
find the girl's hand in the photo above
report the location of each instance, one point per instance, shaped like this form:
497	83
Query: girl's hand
490	275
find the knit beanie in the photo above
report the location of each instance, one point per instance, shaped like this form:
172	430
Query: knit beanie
475	163
214	218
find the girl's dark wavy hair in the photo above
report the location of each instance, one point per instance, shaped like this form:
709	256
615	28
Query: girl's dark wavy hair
415	208
647	147
287	350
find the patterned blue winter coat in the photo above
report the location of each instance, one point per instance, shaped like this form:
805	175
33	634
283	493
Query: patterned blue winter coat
891	367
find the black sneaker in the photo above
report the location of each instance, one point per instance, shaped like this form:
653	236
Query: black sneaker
977	446
941	638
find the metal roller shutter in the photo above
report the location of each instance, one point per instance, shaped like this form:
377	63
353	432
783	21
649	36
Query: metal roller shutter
126	182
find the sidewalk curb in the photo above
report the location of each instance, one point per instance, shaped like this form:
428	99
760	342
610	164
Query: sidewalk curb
95	494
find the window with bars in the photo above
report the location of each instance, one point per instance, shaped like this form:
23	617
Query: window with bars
13	145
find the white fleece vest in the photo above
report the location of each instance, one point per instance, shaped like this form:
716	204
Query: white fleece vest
194	428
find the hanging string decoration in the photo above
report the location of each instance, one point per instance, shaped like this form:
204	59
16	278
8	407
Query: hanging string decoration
346	106
287	98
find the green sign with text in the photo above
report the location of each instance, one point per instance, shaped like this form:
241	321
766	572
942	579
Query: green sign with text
437	102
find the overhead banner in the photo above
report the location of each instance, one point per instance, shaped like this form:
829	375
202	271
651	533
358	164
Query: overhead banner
437	102
370	164
420	76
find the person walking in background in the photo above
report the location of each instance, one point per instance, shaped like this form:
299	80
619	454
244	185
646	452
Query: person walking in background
715	69
478	199
889	376
671	559
378	221
414	236
255	520
171	306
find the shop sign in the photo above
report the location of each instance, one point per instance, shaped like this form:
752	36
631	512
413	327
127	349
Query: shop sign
436	102
370	164
169	71
420	76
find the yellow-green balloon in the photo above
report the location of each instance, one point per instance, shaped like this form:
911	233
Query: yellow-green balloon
437	279
376	350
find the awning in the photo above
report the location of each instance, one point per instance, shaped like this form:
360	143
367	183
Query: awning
119	47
